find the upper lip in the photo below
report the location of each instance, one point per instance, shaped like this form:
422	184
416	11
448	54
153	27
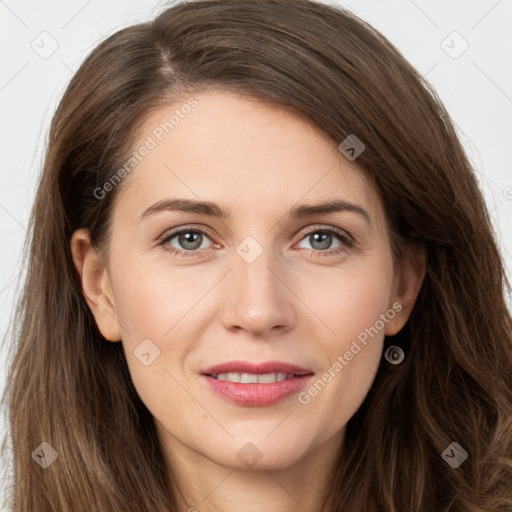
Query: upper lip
256	368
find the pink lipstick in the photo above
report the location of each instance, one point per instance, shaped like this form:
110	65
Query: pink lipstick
255	384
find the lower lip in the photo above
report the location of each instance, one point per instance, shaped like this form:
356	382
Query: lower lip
256	395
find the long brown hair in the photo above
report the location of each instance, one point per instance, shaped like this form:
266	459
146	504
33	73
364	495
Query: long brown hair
70	388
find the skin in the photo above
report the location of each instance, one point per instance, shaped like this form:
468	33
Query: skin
294	303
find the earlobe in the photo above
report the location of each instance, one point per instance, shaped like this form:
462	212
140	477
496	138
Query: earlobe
96	285
407	283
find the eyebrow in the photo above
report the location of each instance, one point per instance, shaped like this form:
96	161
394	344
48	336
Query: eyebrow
214	210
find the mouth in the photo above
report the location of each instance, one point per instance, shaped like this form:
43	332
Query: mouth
251	378
255	384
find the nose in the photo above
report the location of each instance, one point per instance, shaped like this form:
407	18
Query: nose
258	297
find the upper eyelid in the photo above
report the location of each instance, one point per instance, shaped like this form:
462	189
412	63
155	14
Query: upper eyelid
176	231
331	229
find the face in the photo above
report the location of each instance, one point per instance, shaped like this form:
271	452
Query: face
258	332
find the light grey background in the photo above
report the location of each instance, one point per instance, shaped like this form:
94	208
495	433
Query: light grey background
474	83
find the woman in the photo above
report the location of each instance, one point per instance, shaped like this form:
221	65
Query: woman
261	277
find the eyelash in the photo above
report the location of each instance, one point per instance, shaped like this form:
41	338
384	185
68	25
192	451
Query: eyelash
346	240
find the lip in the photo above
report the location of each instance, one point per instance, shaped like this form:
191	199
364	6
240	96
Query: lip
257	368
256	395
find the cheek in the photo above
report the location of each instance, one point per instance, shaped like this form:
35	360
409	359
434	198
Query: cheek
157	311
168	307
351	299
354	304
150	302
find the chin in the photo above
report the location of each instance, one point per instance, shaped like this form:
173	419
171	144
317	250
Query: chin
263	453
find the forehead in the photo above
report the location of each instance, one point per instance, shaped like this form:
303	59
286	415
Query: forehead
251	156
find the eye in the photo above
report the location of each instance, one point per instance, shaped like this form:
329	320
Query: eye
188	241
185	241
321	240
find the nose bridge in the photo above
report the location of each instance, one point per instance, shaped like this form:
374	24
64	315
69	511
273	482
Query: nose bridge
259	299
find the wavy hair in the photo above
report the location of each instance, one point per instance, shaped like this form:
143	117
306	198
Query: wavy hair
71	389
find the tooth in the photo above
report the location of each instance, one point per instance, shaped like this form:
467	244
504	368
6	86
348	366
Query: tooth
232	377
251	378
267	378
248	378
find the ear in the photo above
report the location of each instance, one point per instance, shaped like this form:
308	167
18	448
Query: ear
96	285
407	282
